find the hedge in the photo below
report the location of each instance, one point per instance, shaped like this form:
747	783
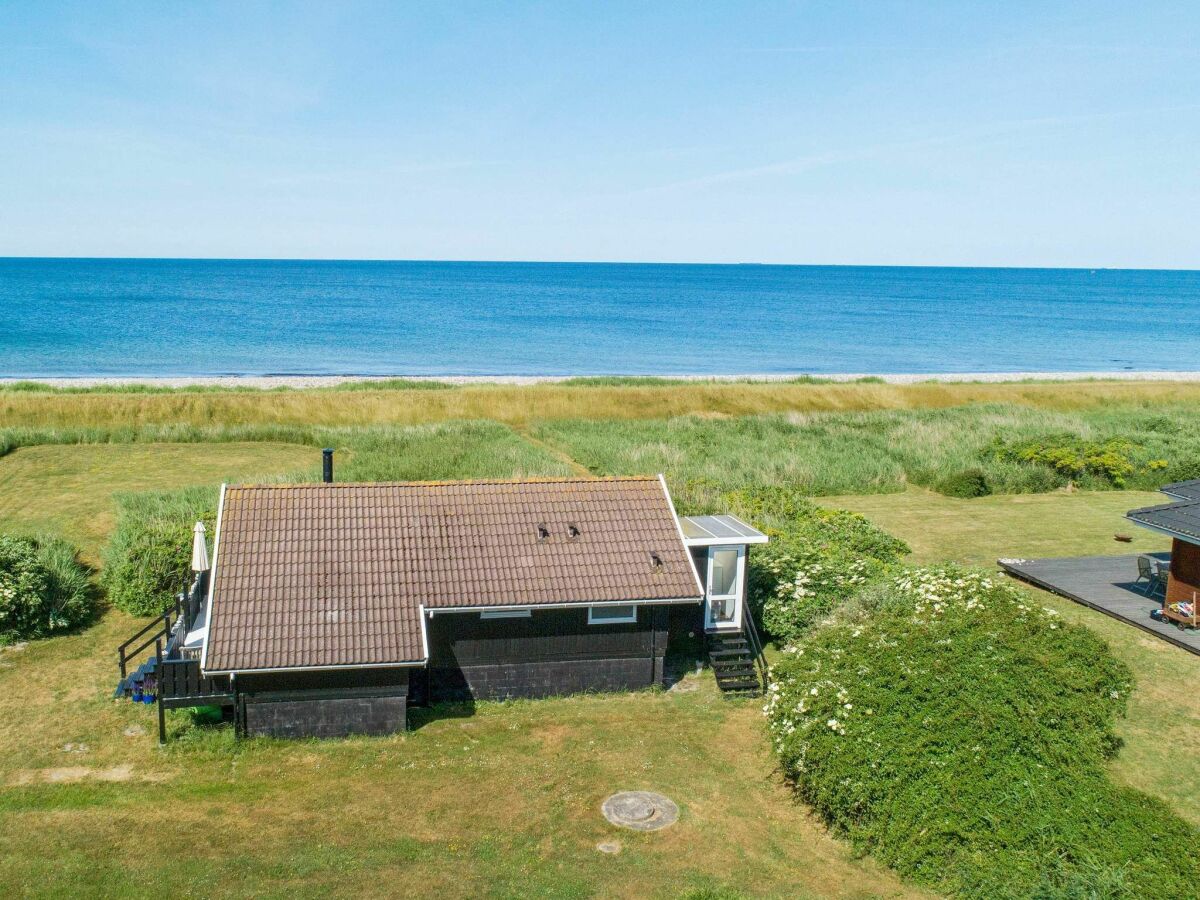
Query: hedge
148	559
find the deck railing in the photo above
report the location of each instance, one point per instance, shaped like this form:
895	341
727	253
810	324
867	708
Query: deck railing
171	627
756	647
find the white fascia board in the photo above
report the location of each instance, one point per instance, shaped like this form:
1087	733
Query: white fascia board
662	480
212	580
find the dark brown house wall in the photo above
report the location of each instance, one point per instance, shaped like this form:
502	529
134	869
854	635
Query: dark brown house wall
1184	583
330	703
553	651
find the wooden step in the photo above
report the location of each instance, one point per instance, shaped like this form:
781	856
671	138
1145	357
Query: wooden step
726	665
745	685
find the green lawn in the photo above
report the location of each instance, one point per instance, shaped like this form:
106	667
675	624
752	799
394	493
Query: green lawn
67	490
501	801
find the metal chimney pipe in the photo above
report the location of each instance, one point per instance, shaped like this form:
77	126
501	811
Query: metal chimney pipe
327	465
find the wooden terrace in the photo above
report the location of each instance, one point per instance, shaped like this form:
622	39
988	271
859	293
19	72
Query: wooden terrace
1106	584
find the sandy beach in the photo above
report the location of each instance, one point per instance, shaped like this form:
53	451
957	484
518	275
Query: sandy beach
269	382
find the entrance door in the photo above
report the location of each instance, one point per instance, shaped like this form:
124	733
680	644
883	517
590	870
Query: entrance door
723	596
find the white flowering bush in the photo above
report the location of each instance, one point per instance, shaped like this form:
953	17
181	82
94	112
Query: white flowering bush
43	588
808	584
959	731
817	558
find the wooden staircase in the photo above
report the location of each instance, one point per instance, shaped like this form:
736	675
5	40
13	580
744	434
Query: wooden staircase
169	678
737	660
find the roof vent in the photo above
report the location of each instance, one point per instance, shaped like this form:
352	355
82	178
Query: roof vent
572	531
543	532
656	559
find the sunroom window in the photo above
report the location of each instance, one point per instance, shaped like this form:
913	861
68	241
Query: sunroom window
724	572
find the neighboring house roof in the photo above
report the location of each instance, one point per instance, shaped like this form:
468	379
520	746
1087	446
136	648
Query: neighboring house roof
1181	520
322	575
1184	490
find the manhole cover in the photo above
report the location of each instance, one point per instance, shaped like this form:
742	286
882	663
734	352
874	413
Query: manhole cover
640	810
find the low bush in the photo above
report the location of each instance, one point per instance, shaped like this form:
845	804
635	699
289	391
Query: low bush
148	558
948	725
44	588
965	483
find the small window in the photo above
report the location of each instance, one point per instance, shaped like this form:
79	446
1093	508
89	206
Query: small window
611	615
506	614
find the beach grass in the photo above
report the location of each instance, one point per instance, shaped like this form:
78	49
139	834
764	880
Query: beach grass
114	408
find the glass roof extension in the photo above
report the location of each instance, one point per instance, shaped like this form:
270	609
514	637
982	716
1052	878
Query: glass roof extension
701	530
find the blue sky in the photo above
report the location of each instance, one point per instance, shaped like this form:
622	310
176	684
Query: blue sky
888	133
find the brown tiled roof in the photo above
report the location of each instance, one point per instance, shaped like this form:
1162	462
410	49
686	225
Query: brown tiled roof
335	574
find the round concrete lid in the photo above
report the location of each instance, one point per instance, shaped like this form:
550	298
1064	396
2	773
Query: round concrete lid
640	810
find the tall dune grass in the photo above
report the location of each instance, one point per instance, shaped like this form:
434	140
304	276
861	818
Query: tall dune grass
874	452
521	405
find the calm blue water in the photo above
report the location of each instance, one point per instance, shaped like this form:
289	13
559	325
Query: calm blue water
203	317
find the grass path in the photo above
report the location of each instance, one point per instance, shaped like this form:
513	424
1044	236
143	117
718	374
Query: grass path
561	455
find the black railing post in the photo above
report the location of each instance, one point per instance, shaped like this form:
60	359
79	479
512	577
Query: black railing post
158	691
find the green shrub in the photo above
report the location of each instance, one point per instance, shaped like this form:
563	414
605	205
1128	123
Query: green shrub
965	483
1073	457
43	588
947	724
148	559
817	556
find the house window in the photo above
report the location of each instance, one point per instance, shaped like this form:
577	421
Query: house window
506	614
611	615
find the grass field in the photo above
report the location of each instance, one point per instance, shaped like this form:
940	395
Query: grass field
67	490
502	800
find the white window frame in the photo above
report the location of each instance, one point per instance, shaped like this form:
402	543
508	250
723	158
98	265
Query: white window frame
506	614
621	620
736	596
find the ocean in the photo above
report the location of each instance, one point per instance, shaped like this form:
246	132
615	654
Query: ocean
134	317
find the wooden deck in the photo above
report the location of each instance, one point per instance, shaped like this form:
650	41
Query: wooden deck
1104	583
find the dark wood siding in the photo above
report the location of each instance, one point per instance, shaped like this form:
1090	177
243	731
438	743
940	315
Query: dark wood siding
553	651
328	703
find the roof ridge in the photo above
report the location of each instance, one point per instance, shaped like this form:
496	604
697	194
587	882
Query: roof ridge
601	479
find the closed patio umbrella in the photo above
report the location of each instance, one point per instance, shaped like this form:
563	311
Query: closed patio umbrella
199	549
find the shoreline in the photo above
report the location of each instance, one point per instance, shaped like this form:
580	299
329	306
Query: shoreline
300	382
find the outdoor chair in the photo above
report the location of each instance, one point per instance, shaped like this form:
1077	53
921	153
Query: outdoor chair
1145	573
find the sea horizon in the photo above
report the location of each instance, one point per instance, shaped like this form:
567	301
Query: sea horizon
99	317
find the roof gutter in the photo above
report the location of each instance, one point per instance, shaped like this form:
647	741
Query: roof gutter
578	604
1178	535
